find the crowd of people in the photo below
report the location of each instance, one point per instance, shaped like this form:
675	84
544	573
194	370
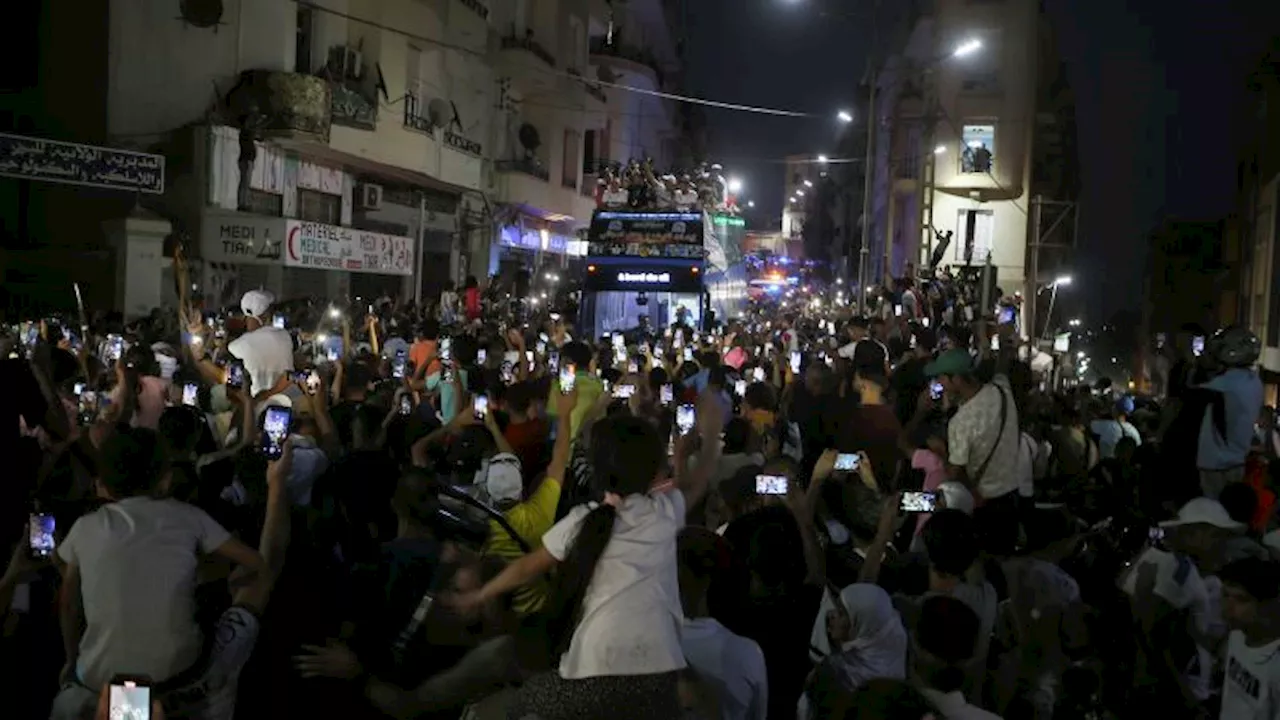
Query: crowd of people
367	510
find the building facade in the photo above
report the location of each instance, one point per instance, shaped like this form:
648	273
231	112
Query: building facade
964	142
350	147
1250	294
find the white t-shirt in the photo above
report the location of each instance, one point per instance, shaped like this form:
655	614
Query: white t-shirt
1251	686
972	433
731	664
267	353
137	560
631	613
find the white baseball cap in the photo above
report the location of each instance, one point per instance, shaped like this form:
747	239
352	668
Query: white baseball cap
256	303
503	479
1203	511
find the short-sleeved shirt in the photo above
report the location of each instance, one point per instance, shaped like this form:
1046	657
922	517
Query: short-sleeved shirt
1110	432
531	519
448	394
137	560
972	434
1242	400
1251	683
631	614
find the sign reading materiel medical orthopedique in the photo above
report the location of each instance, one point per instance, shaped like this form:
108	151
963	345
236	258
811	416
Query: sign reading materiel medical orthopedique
647	234
329	247
75	164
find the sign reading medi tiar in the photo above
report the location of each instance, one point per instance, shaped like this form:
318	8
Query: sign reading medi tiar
75	164
329	247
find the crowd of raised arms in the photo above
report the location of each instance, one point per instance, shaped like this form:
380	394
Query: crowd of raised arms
361	510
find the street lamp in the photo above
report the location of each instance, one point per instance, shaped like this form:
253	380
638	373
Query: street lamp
808	183
735	185
799	192
751	203
844	116
967	48
1057	283
1074	322
822	159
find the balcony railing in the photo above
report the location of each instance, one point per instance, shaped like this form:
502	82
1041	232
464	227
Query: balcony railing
526	166
514	42
627	52
414	119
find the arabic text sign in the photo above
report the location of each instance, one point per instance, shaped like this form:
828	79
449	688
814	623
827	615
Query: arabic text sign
641	234
75	164
329	247
242	238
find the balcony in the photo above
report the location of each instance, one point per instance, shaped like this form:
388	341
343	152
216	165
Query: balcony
293	106
351	109
525	166
415	117
626	58
530	45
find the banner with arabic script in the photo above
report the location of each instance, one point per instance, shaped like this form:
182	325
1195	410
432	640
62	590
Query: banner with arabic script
647	234
30	158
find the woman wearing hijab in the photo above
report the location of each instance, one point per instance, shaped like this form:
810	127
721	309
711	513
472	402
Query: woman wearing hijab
857	640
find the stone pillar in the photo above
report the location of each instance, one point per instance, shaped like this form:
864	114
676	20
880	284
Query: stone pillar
138	241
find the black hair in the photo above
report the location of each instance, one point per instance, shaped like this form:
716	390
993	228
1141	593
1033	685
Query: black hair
1240	501
131	462
626	454
951	541
948	630
578	353
761	397
658	377
519	397
416	498
737	435
429	329
1260	578
181	428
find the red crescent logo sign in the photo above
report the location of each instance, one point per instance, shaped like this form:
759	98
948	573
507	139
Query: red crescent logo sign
293	233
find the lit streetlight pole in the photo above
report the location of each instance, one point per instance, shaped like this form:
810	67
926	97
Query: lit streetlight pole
1048	318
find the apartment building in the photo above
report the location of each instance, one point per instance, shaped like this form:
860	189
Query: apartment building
970	139
344	147
1250	293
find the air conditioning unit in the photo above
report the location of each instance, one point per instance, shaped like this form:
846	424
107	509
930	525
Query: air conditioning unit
346	62
369	196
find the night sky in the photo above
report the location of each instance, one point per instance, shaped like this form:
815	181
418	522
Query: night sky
1157	84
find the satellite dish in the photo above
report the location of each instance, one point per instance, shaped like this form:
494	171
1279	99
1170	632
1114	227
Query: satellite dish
529	137
201	13
438	112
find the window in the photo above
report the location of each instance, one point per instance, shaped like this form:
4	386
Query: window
979	149
265	203
590	163
413	74
302	51
976	224
569	168
319	207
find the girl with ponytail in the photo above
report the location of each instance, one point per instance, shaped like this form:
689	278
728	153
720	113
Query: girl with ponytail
612	622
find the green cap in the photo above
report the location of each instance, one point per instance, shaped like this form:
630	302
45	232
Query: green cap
952	362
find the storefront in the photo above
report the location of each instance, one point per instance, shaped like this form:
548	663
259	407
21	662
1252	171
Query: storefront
294	258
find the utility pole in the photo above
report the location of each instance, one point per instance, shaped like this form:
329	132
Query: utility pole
1033	268
868	176
868	169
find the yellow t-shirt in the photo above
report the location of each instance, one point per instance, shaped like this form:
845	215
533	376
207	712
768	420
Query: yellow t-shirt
531	519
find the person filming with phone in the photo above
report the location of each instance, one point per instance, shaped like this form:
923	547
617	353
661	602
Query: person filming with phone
265	350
